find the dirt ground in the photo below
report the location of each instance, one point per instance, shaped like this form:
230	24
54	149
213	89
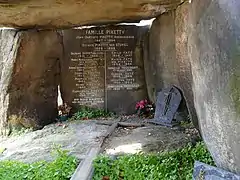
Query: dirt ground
149	139
79	136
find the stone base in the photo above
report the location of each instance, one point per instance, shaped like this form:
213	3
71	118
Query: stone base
162	123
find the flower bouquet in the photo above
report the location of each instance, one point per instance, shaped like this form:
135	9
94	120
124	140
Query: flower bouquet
145	108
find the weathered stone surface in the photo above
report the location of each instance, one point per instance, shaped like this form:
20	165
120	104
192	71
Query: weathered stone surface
103	68
206	172
160	66
214	41
9	43
183	70
30	77
168	62
69	13
77	137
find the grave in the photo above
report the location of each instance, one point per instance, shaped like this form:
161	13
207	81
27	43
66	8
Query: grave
103	68
168	101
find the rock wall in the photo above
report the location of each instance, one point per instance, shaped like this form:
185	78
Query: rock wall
168	63
183	65
9	44
196	48
67	14
214	50
29	78
160	66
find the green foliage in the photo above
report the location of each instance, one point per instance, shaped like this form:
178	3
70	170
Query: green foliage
19	131
90	113
2	150
61	168
175	165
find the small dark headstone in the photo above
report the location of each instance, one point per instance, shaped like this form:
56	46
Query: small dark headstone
168	101
205	172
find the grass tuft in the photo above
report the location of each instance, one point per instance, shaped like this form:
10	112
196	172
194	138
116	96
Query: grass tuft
175	165
85	113
61	168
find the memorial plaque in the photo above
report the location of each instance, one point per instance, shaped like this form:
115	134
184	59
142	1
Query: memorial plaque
125	71
83	70
168	101
103	67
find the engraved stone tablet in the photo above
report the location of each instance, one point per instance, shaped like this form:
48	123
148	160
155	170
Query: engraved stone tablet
83	69
125	71
168	101
103	67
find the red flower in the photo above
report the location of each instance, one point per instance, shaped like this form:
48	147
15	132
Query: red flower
141	104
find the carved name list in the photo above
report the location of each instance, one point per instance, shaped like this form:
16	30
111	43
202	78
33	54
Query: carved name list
103	62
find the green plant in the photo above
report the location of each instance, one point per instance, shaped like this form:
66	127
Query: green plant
175	165
20	131
61	168
85	113
2	150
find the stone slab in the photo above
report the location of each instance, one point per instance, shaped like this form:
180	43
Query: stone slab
103	68
213	44
168	101
206	172
76	137
39	14
29	78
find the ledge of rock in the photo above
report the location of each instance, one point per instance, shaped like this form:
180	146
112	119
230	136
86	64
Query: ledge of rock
29	66
70	13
